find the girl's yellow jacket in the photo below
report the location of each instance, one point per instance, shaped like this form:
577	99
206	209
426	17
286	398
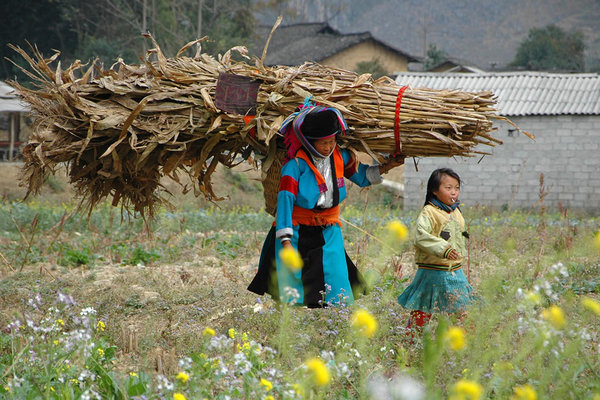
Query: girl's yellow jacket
438	232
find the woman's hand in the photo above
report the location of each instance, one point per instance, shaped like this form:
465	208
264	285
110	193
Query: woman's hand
453	255
286	244
391	163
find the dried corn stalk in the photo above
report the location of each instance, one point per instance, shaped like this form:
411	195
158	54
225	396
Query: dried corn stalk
120	130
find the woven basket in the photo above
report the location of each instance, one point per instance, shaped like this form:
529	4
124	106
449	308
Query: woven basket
270	182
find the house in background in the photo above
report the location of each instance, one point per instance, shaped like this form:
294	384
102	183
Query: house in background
452	64
13	127
318	42
561	110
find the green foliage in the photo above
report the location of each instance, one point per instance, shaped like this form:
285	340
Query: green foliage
57	352
77	257
28	21
142	256
551	48
434	56
105	50
509	340
229	24
372	67
240	181
108	29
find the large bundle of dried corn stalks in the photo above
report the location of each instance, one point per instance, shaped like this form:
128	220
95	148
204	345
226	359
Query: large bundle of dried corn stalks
121	129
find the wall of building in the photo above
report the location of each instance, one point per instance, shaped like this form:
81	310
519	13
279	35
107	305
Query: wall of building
566	151
19	125
367	51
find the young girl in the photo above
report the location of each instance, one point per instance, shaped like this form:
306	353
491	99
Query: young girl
310	191
439	284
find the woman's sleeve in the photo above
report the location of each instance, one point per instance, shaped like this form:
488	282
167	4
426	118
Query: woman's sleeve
428	242
361	174
288	189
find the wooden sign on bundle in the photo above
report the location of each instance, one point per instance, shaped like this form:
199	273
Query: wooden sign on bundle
120	130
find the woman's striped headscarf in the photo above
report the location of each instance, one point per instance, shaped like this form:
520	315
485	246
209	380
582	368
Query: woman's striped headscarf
295	138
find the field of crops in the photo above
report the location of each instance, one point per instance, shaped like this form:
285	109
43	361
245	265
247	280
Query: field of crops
105	308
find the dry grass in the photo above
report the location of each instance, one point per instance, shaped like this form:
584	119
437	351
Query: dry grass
121	130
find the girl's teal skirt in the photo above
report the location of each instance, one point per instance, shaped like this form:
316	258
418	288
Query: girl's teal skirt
437	291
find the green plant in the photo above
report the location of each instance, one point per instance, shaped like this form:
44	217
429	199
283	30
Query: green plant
57	352
514	336
372	67
141	256
77	257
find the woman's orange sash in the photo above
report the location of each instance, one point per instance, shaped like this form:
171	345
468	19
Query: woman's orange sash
314	217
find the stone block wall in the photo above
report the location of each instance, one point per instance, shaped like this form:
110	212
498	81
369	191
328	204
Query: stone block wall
566	150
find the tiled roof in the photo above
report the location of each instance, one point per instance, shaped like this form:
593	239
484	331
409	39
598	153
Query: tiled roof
9	101
298	43
521	93
455	64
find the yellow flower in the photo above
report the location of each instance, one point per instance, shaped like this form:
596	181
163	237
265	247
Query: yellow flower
244	347
455	337
60	322
208	331
364	322
524	392
133	374
398	230
269	397
590	304
55	341
267	384
466	390
245	337
291	258
320	372
597	240
178	396
533	297
100	352
100	326
232	333
182	377
555	316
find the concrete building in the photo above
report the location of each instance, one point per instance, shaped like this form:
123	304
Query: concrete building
561	110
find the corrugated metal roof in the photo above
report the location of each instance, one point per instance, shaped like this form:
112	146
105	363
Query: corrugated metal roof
521	93
10	101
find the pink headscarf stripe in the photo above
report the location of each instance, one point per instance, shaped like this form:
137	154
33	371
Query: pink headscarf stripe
291	129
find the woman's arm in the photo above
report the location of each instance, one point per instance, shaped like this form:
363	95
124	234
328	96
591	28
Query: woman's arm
288	189
364	175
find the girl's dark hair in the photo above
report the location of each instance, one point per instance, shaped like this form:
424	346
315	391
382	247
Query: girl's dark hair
433	184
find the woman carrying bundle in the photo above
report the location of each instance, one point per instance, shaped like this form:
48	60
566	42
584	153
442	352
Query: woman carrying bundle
311	188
